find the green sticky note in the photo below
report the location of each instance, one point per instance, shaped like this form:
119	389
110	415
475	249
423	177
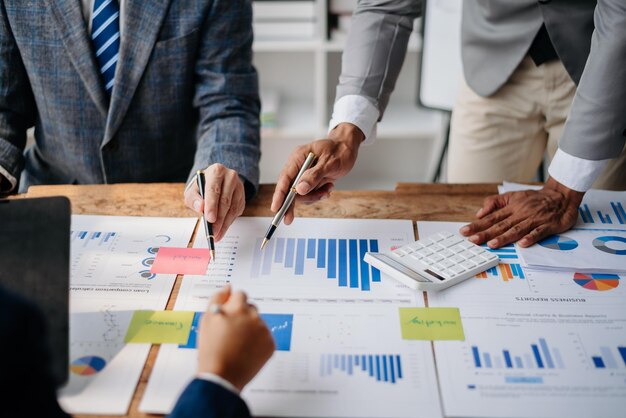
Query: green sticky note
159	327
431	324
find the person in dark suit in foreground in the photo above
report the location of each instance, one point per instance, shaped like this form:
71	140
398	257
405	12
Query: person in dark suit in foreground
234	344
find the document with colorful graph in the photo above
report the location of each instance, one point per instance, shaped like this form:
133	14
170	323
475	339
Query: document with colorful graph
330	361
535	357
109	279
309	260
334	319
511	280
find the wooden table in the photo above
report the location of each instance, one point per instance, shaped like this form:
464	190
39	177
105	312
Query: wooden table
418	202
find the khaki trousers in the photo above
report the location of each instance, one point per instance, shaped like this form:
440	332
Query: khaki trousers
506	136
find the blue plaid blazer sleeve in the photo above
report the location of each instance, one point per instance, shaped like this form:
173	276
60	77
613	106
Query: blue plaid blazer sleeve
226	93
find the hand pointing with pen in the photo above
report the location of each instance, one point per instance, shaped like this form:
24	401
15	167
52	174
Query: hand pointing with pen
336	156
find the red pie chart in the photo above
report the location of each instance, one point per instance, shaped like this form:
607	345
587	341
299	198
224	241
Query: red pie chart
597	281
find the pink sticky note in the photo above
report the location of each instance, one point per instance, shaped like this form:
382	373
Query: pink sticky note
171	260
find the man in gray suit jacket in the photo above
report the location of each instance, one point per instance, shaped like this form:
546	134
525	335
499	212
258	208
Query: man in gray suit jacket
131	91
497	36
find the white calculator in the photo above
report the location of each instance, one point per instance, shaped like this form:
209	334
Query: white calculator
434	263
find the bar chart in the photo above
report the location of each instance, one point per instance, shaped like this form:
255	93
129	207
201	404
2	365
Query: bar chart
92	239
610	359
380	367
340	260
539	356
506	253
505	272
589	216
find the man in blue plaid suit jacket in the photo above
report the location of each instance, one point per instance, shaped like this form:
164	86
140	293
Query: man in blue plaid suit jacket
184	97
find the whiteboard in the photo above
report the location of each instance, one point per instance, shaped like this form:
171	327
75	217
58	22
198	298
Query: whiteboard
441	67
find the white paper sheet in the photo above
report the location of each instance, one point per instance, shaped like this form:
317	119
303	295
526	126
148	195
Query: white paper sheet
328	322
109	278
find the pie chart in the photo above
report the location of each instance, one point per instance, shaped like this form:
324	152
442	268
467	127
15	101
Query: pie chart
597	281
88	365
618	249
559	243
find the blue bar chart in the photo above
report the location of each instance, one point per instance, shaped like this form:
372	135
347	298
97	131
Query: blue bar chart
617	214
340	260
90	239
610	359
538	356
380	367
505	253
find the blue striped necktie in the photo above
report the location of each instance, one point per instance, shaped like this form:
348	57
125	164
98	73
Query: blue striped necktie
105	35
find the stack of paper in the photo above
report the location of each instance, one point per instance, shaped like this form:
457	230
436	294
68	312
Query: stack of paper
596	244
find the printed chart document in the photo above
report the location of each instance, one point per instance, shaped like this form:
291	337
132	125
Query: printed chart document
537	343
584	250
109	279
335	321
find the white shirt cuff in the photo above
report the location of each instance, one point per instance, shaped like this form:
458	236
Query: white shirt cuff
358	111
575	173
4	173
210	377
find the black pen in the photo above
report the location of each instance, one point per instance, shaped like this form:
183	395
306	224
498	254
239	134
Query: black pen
208	228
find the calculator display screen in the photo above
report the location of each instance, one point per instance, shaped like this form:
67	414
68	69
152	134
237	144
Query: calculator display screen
401	268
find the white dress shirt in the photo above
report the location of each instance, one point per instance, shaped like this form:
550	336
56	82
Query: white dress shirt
572	172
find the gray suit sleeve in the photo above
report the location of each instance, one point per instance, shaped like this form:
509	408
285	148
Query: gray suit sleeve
375	49
596	126
17	105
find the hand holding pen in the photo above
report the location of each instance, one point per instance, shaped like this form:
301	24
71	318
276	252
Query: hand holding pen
222	199
288	200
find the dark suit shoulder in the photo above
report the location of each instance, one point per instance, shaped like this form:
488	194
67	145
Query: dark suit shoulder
204	399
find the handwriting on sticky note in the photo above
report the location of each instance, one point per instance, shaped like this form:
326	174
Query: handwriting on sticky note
159	327
431	324
171	260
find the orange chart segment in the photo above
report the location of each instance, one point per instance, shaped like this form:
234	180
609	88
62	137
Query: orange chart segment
599	282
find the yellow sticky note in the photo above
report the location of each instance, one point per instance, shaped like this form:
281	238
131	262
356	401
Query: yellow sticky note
159	327
431	324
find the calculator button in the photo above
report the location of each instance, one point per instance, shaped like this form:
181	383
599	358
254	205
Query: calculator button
489	256
397	254
426	243
451	241
456	259
468	264
425	252
446	263
437	238
407	249
446	235
457	269
417	256
466	254
427	261
457	248
416	246
477	250
446	253
466	244
436	248
436	258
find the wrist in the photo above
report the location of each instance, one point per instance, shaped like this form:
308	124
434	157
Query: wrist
347	133
222	372
572	197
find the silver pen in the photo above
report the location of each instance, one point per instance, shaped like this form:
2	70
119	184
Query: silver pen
288	200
